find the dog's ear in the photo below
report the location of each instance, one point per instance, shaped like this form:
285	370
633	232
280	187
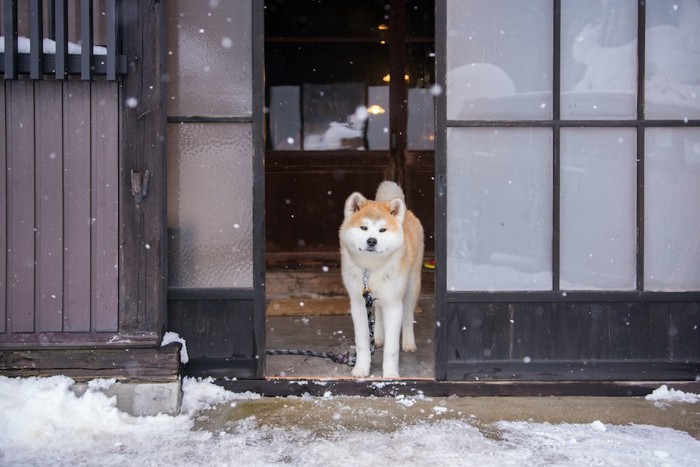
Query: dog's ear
397	208
354	203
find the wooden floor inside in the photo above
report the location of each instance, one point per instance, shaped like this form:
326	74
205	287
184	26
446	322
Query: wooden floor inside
309	310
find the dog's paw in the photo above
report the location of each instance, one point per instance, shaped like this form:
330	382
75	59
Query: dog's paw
378	342
409	347
390	374
360	371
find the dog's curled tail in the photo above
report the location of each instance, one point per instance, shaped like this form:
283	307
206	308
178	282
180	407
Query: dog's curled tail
388	191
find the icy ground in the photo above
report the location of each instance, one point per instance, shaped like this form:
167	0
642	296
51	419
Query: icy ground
43	423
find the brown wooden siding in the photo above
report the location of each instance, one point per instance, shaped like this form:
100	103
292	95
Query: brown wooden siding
49	218
61	160
76	159
619	339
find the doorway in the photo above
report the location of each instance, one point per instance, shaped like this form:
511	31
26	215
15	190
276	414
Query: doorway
349	92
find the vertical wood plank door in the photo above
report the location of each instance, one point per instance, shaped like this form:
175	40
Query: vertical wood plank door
59	179
49	205
20	207
76	279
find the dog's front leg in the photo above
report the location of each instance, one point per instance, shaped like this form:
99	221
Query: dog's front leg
392	331
378	326
364	355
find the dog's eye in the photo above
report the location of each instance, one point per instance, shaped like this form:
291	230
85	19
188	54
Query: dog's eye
363	227
382	229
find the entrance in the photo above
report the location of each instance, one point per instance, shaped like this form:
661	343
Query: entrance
349	94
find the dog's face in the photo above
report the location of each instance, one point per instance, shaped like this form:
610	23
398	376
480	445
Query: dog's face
371	227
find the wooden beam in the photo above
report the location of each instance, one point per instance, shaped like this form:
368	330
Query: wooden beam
429	388
154	364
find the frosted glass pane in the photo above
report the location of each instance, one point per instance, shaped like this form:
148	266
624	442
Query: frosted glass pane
599	59
209	56
421	119
378	117
499	59
499	209
285	118
210	200
671	209
598	209
672	59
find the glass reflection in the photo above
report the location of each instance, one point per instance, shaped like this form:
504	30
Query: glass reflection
672	64
334	116
327	75
598	209
671	214
499	213
209	74
499	59
599	59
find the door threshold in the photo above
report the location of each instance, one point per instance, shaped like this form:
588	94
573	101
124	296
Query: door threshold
286	387
370	379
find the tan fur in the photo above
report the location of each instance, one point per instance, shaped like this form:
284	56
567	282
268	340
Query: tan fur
394	268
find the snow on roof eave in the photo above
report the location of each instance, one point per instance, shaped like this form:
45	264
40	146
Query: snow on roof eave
49	46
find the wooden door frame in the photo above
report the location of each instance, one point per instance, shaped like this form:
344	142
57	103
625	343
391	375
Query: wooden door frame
441	191
397	162
239	313
142	253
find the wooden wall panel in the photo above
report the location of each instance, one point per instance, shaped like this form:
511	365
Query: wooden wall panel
540	332
65	157
105	207
420	193
3	211
214	329
49	207
77	216
304	199
20	206
59	229
684	334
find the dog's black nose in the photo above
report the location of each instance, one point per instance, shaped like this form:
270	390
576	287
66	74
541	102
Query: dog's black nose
371	242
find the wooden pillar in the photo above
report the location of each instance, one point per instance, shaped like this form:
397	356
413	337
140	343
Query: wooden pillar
142	254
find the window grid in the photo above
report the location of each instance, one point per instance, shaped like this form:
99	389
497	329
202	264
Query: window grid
557	123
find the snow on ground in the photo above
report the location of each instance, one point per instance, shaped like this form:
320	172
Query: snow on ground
42	422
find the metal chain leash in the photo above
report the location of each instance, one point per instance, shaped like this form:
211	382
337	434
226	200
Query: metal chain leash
344	358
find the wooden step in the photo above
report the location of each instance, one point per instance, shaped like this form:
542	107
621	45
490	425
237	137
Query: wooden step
321	282
325	306
308	307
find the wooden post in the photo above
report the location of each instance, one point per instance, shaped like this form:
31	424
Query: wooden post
10	32
142	254
86	37
36	39
61	22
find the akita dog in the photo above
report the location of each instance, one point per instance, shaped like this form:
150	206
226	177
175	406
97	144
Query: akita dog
381	248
